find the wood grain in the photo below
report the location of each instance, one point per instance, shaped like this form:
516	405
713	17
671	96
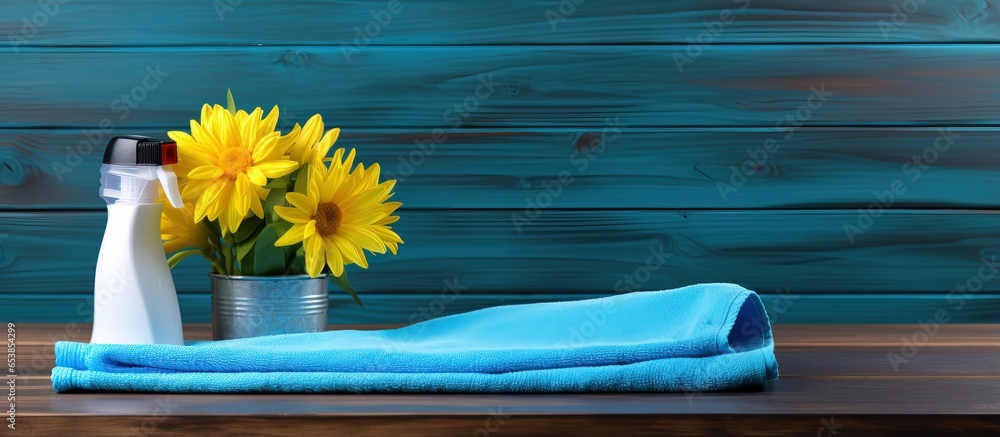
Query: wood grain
832	380
911	396
579	168
792	407
790	336
305	22
792	425
404	308
584	251
803	351
586	87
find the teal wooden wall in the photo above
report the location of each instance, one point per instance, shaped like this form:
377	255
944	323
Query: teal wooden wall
840	158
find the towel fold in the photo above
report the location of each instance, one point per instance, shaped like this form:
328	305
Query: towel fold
704	337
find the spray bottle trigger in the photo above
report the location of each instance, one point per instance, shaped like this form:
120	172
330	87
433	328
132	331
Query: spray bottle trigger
168	181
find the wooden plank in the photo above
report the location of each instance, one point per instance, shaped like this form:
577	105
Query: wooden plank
789	336
888	336
814	363
382	308
804	351
577	425
305	22
946	388
511	86
951	396
641	168
942	397
584	251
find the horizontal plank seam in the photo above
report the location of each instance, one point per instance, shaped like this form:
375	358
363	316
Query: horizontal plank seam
845	210
27	46
495	127
15	130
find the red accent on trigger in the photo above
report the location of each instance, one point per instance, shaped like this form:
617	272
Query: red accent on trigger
168	153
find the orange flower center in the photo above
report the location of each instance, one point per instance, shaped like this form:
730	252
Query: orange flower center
327	218
235	160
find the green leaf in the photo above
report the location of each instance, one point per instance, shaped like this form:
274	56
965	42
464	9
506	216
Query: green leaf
282	182
250	227
342	282
230	103
296	265
244	248
227	255
179	256
268	259
281	227
214	233
275	198
302	180
247	265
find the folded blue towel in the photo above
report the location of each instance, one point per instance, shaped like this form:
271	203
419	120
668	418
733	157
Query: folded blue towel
703	337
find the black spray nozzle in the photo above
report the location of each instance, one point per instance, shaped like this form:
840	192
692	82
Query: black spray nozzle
139	150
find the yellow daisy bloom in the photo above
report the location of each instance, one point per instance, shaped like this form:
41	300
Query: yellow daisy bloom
339	217
382	229
227	159
179	231
310	143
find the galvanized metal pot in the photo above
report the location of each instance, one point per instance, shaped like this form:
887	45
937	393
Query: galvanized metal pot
253	306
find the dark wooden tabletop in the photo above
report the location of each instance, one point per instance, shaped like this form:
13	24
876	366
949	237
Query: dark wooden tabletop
837	380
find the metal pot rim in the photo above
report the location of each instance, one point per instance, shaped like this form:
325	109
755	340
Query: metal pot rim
265	278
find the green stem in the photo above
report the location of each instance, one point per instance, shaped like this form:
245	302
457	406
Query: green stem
230	252
213	258
216	257
232	248
228	262
227	255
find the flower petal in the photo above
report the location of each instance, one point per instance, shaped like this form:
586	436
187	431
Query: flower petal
248	127
288	140
243	194
350	251
335	260
314	256
266	149
312	131
293	236
206	136
205	172
292	215
268	123
207	204
277	168
391	239
256	176
256	207
326	143
301	201
206	113
363	238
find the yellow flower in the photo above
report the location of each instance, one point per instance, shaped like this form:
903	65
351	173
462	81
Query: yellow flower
226	161
382	228
310	143
340	216
179	231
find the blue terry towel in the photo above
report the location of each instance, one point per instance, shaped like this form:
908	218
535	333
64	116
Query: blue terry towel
703	337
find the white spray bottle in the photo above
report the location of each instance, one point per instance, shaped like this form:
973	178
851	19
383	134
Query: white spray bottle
134	297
